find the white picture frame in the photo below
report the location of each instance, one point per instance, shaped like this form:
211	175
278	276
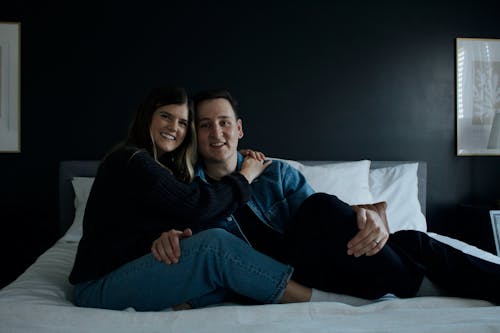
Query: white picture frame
478	96
10	129
495	225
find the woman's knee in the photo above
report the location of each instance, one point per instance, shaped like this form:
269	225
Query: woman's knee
214	234
215	237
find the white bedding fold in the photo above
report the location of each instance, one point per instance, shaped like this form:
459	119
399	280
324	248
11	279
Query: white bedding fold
40	301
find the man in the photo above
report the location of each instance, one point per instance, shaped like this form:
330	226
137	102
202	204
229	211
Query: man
332	246
267	221
219	129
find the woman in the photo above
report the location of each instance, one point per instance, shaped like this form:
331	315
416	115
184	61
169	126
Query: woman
144	187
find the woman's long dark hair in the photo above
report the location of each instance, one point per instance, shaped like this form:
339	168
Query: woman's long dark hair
184	157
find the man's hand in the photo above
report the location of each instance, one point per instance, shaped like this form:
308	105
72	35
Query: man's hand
166	248
372	236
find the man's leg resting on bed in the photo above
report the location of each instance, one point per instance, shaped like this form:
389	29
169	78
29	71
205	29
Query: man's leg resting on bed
317	243
458	273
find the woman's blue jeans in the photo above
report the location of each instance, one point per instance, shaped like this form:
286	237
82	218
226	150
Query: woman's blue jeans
213	264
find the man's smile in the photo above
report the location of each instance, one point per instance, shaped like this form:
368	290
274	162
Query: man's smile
217	144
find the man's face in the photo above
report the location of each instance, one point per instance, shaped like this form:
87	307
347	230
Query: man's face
218	131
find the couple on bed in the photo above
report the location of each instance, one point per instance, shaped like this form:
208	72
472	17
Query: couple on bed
163	231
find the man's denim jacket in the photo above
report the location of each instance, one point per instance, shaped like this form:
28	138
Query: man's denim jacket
276	194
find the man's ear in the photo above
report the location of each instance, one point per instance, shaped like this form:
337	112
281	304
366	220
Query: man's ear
239	125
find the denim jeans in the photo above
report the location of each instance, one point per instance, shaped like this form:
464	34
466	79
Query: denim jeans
213	263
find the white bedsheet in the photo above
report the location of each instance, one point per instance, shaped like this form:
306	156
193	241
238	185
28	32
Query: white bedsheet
40	301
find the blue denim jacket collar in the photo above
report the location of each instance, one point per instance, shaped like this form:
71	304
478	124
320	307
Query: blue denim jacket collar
276	194
200	171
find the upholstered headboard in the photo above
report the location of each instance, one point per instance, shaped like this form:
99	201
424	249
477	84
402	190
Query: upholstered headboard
76	168
68	170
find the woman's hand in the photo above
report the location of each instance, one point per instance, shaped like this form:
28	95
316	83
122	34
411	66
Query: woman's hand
253	153
166	248
252	168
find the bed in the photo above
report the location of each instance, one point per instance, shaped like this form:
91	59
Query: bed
40	300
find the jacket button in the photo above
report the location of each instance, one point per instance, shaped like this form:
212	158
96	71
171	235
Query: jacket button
229	219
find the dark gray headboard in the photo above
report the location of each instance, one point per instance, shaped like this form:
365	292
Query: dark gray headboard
70	169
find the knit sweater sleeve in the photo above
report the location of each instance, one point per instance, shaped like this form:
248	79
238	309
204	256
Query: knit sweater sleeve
191	204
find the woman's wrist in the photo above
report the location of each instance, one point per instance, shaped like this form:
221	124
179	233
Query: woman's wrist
248	175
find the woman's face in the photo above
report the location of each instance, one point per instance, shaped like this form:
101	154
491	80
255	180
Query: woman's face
169	126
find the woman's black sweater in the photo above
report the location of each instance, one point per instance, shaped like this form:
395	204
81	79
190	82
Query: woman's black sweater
134	199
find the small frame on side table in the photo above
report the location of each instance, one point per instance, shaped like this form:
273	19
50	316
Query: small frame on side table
495	225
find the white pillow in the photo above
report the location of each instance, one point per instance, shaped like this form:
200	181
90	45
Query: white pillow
349	181
81	186
398	186
353	182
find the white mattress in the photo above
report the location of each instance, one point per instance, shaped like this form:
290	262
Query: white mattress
40	301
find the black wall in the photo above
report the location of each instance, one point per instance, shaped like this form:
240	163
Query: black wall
320	80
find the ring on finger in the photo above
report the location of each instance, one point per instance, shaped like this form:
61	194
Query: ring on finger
376	242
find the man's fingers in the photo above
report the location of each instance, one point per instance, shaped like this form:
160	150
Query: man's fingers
376	249
368	240
361	236
368	246
361	242
361	218
380	245
372	235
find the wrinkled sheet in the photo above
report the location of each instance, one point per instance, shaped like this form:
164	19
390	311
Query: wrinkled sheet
40	301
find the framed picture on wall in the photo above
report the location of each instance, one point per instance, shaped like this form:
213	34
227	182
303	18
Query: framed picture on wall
10	136
495	225
478	96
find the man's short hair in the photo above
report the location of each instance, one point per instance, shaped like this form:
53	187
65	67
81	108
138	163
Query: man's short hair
213	94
